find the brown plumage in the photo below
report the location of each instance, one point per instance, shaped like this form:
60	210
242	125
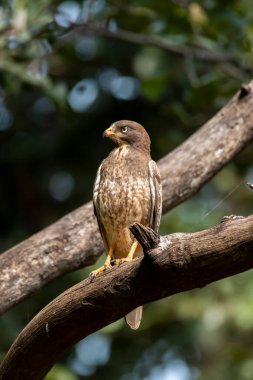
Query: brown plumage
127	189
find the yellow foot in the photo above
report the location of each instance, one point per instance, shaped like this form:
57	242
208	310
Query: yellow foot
120	261
94	273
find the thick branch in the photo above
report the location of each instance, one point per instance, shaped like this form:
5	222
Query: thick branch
74	241
178	263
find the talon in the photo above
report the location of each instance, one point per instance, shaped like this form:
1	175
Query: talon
94	273
92	276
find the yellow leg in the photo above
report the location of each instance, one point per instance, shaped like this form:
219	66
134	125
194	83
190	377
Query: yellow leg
107	264
130	255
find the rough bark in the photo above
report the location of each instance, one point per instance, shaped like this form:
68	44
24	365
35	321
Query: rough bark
200	157
74	241
172	264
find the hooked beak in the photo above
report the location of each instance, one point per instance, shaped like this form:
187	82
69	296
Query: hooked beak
108	132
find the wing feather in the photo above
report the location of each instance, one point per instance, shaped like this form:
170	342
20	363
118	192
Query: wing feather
156	195
96	206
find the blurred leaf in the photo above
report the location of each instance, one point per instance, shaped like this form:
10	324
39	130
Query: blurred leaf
60	372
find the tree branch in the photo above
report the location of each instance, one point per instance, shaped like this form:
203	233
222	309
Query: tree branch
74	241
176	263
165	44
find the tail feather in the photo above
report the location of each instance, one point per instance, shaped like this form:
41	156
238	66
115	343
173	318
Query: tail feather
133	319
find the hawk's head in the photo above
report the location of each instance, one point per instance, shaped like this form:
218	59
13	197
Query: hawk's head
127	132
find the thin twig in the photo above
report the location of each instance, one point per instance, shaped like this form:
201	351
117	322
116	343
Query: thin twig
163	43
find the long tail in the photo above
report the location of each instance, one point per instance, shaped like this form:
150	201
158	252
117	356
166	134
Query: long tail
133	319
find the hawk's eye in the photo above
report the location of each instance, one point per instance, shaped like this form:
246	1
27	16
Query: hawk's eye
124	129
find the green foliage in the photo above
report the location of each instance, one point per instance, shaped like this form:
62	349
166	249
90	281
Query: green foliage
59	90
60	372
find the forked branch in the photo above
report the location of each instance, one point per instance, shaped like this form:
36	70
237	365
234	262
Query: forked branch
176	263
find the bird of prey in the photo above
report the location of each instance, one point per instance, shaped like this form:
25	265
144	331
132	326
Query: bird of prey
127	189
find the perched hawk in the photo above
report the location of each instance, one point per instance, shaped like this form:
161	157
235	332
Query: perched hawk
127	189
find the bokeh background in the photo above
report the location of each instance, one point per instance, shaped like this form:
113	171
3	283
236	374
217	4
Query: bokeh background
60	87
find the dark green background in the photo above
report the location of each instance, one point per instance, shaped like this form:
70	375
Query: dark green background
49	154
